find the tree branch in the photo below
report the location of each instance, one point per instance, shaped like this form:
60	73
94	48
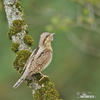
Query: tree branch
21	45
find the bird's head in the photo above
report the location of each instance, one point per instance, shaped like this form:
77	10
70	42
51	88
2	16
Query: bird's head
45	39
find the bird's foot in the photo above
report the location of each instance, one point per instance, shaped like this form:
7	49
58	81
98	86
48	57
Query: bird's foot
43	76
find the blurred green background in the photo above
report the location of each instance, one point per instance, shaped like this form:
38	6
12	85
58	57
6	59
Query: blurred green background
75	68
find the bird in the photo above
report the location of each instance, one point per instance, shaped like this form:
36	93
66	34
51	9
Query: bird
40	58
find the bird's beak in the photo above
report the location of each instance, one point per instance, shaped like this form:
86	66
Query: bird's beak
52	36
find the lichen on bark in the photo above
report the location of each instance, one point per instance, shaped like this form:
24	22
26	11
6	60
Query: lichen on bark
21	45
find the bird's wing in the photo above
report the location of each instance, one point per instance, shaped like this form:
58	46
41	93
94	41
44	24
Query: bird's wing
29	59
42	60
25	71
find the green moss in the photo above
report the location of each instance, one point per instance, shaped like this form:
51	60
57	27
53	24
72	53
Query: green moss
29	82
34	76
11	32
27	30
14	47
21	59
38	76
48	92
28	40
44	81
17	24
16	27
19	6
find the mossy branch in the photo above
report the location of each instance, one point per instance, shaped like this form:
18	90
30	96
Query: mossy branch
21	45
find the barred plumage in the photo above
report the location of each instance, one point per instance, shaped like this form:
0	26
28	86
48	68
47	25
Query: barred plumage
39	59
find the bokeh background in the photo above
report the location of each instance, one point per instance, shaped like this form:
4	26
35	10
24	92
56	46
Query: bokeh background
75	68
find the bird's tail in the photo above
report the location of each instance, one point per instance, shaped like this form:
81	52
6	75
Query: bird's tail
19	81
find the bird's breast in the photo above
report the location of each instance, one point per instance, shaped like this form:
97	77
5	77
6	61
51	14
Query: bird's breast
49	61
41	61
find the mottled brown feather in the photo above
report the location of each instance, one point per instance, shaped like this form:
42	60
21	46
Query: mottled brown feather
41	61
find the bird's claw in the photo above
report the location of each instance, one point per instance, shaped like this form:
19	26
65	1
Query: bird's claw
43	76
